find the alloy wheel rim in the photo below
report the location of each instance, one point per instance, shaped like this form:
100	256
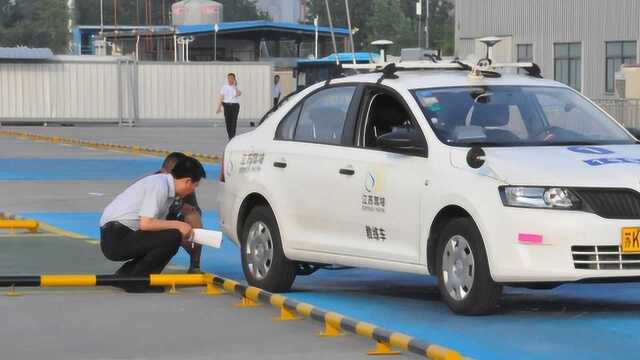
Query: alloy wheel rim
458	267
259	250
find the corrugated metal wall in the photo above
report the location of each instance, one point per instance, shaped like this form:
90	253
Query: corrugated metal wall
59	91
545	22
115	91
171	91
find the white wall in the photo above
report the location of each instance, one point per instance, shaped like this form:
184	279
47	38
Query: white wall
115	91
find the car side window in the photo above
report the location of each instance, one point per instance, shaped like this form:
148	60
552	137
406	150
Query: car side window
324	114
287	126
384	115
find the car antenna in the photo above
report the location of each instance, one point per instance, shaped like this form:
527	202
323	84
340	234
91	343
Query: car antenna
534	71
477	71
388	72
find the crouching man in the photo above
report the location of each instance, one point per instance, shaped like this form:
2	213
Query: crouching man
185	209
133	227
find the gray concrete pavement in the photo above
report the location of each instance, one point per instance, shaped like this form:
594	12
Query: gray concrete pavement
70	196
205	140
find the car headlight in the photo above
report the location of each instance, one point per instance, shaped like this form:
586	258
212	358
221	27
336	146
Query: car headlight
539	197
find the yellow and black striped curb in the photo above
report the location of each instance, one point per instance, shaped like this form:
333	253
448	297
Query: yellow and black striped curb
333	321
131	149
340	322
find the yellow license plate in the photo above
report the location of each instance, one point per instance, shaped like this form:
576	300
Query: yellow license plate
630	241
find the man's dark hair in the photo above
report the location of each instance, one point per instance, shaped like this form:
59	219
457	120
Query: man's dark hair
172	159
189	168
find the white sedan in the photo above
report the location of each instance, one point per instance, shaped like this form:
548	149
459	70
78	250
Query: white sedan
482	181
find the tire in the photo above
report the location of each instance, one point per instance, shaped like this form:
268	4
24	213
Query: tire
472	291
263	261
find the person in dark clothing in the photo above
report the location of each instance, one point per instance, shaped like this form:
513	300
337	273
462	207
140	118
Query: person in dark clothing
186	210
230	102
277	90
133	227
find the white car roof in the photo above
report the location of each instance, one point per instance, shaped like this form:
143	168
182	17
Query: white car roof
421	79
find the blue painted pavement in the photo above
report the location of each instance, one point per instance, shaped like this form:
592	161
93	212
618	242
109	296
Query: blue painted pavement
84	169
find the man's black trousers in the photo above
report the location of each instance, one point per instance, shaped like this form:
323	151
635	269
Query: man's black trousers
231	111
146	252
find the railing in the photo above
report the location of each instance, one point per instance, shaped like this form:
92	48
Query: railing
626	111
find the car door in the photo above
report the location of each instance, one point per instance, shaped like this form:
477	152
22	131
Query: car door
391	189
313	171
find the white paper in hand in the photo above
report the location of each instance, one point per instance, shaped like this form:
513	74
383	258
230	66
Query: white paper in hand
207	237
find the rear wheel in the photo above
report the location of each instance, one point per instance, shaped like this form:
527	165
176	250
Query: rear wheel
464	279
263	260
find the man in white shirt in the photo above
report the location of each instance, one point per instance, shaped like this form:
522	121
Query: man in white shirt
230	101
277	90
134	228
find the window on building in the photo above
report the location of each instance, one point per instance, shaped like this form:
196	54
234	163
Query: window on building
618	53
525	54
568	64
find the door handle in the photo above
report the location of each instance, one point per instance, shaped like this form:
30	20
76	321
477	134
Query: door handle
280	164
349	172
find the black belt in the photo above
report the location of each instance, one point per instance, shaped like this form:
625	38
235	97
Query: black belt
114	225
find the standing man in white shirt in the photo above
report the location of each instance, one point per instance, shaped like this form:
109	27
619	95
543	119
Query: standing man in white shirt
230	101
277	90
133	227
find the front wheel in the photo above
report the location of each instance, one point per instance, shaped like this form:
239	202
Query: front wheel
464	279
263	261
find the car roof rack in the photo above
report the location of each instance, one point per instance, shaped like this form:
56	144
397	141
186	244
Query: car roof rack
482	69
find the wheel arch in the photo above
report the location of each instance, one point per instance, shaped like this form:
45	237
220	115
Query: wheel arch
445	215
250	201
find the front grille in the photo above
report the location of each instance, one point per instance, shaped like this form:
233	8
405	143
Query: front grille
608	257
611	203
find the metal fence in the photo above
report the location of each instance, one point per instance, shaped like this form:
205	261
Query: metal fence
118	90
626	111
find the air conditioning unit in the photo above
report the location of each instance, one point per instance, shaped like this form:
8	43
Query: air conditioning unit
631	81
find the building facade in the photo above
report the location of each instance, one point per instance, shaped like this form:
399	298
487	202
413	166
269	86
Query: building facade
579	42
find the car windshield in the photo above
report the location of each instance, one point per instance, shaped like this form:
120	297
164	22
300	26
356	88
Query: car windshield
517	116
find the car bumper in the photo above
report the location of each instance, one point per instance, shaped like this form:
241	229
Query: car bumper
228	211
533	245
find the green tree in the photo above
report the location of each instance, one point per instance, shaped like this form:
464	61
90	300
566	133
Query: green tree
371	22
35	23
441	26
241	10
359	11
391	24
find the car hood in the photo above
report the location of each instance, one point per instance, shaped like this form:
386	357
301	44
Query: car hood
584	166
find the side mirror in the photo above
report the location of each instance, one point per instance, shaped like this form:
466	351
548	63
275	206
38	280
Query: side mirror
403	141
